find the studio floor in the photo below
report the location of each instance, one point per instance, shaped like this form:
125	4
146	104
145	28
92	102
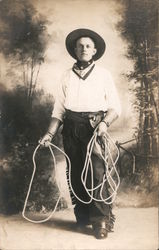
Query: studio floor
135	229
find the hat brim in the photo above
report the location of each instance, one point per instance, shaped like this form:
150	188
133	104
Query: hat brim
78	33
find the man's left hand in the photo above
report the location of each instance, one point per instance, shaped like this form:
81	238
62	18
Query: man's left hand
101	133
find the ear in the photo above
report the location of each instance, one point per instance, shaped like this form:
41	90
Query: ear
94	51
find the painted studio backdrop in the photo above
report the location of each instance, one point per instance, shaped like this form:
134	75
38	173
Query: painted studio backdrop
32	59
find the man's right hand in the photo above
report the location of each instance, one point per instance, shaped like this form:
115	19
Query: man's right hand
52	130
45	140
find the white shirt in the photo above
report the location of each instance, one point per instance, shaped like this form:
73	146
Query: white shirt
96	93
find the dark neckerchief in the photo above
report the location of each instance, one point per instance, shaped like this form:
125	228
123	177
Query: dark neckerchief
80	69
83	65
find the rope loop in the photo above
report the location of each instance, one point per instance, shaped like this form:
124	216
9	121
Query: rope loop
113	180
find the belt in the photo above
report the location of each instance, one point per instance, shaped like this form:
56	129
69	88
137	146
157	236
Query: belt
84	114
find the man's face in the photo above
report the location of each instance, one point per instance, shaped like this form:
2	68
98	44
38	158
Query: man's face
85	49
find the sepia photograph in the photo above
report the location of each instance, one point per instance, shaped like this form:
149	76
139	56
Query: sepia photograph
79	125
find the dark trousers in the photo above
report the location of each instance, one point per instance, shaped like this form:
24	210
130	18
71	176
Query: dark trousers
77	132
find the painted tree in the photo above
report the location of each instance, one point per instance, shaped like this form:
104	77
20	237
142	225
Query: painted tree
139	26
23	39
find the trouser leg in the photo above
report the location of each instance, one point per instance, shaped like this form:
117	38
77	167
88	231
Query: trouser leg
100	211
75	145
73	149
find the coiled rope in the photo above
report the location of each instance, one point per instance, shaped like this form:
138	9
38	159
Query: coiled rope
113	180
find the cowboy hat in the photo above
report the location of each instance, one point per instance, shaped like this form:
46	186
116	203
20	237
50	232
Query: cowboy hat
78	33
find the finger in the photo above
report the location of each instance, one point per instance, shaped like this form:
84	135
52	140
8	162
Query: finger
104	137
40	142
46	144
103	145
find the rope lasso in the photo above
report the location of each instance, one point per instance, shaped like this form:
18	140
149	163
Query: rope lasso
107	177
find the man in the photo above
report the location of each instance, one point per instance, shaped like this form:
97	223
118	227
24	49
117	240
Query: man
87	100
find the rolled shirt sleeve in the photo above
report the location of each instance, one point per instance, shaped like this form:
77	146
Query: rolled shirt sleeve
59	109
112	95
